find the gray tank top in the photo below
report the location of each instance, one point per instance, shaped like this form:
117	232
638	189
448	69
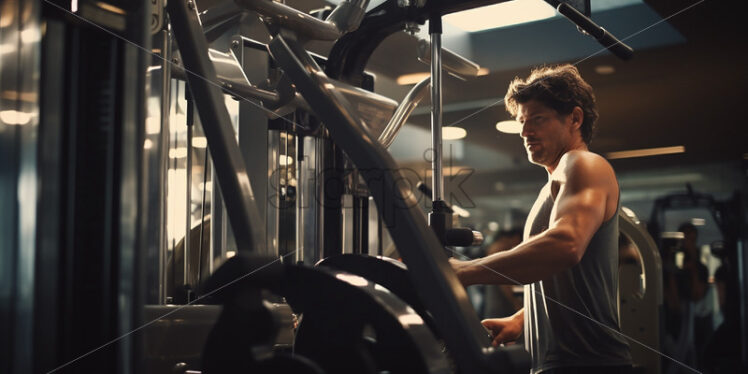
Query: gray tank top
571	318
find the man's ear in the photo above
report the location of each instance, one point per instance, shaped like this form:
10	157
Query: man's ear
577	117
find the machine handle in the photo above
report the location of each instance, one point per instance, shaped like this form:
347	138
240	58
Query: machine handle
615	46
464	237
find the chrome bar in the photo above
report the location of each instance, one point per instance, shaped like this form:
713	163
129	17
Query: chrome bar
292	19
234	87
347	16
188	196
374	109
450	61
163	162
436	116
403	111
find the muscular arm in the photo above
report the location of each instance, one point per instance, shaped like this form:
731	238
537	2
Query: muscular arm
585	186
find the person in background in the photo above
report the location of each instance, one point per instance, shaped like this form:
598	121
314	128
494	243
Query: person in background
688	307
499	300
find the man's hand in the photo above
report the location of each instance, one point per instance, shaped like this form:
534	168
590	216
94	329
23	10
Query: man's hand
505	330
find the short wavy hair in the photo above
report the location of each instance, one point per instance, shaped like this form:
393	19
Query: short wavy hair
560	88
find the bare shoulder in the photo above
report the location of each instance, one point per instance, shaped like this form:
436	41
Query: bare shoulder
585	167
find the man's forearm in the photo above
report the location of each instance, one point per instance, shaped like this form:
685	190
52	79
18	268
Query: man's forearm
533	260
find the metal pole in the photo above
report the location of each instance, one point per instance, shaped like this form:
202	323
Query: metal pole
435	30
164	160
188	193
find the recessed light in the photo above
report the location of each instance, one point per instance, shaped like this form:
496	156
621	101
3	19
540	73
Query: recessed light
453	133
152	125
285	160
14	117
604	69
645	152
199	142
672	235
509	127
408	79
178	152
501	15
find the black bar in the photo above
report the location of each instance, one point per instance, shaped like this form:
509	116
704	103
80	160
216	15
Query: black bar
583	6
356	234
615	46
365	224
332	203
229	164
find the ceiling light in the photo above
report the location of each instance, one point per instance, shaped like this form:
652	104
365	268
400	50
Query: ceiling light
509	127
178	153
199	142
407	79
672	235
413	78
110	8
148	144
31	35
152	125
14	117
604	69
698	221
501	15
451	171
285	160
453	133
646	152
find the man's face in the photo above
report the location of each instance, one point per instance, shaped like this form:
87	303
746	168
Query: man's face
546	133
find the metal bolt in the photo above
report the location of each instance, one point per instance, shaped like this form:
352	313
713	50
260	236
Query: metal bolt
234	44
191	5
412	28
175	60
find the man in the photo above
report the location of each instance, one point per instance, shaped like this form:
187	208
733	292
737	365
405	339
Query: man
568	260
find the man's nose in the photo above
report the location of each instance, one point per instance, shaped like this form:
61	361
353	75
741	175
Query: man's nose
526	131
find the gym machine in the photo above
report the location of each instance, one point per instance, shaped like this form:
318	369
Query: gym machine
318	111
727	349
